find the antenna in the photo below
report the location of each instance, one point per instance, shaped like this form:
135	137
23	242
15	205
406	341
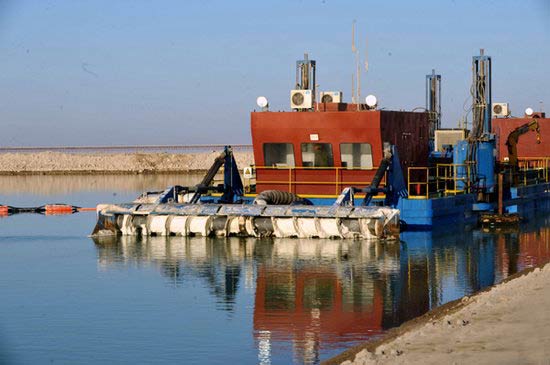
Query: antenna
352	88
353	48
354	97
358	79
366	54
356	92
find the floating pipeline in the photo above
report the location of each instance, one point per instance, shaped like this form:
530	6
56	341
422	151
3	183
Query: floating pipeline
47	209
356	222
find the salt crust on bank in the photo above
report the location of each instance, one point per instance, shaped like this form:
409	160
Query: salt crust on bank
510	324
55	162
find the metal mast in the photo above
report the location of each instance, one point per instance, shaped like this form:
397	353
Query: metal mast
481	95
305	75
433	102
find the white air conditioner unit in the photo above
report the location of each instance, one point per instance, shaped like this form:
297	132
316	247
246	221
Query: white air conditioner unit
500	110
331	97
301	99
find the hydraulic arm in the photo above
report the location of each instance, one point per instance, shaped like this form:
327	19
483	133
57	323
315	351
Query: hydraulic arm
233	185
513	138
395	186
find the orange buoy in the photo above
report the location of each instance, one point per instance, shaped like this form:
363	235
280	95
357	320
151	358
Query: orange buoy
57	209
48	209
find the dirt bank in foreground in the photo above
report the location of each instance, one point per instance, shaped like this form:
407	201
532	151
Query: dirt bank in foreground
61	163
508	324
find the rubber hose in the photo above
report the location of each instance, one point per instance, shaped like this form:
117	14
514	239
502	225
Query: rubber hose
276	197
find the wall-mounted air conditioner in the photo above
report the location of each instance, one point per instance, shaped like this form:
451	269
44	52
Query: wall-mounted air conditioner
331	97
500	110
301	99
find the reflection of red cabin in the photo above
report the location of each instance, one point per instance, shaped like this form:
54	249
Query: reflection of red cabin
408	130
285	299
533	249
527	143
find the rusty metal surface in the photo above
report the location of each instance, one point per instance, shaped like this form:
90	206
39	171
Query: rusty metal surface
106	225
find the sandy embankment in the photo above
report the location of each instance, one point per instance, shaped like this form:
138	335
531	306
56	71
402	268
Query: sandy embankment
509	324
65	163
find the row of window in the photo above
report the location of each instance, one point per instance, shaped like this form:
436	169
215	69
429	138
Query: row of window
352	155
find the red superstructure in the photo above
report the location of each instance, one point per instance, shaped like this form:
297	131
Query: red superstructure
321	152
527	144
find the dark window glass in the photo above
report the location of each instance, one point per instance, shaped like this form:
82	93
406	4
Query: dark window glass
279	154
317	155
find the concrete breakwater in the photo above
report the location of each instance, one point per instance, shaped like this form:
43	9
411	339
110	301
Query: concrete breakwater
113	163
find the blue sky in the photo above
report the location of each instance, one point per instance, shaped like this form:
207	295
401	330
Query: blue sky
185	72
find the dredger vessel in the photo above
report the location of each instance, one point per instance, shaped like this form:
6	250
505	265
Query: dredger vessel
331	169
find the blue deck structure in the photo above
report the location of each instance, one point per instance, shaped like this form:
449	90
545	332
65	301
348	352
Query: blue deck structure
426	214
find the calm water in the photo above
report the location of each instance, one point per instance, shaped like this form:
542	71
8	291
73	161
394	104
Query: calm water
66	298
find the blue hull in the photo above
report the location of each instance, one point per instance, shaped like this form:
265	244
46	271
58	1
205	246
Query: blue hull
441	213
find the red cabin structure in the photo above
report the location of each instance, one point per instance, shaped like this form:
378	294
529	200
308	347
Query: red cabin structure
322	152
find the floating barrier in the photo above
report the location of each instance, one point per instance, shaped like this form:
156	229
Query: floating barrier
47	209
58	209
362	222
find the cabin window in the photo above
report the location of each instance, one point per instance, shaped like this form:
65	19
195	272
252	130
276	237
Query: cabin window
317	155
279	154
356	155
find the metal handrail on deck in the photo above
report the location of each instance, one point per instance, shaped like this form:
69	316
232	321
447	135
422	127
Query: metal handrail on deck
338	183
539	164
448	179
418	183
450	175
445	180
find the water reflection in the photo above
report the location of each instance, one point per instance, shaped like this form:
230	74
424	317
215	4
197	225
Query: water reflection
220	266
314	298
63	184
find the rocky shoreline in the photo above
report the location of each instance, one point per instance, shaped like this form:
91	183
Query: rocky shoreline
506	324
56	163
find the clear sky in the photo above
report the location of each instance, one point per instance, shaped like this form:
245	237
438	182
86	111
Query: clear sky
102	72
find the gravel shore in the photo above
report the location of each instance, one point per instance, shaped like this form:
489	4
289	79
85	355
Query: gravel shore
130	163
508	324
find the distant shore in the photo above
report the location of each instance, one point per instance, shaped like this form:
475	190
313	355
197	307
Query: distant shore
505	324
59	163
